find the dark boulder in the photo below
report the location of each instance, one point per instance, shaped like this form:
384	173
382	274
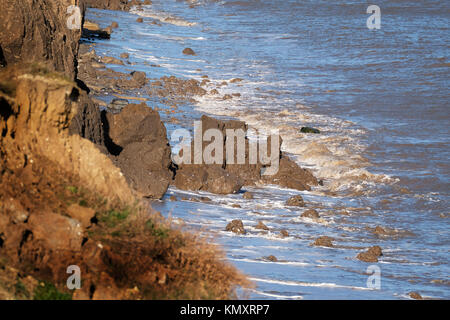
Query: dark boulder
324	241
145	156
189	51
309	130
296	201
310	213
236	226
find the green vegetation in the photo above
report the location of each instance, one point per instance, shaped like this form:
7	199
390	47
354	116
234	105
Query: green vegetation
48	291
158	232
20	291
114	217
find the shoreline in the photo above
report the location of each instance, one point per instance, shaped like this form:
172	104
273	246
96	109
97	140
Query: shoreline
332	232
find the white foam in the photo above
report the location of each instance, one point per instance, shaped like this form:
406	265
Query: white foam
308	284
277	296
163	17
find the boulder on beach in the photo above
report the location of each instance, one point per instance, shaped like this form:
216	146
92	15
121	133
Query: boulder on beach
139	77
324	241
143	151
247	195
371	255
112	60
189	51
211	178
261	226
295	201
118	104
310	213
271	258
91	29
309	130
284	233
415	295
195	176
236	226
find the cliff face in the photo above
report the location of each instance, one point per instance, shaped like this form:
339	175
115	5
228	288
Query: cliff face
36	30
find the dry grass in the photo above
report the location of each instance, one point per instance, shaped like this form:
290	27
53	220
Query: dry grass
140	248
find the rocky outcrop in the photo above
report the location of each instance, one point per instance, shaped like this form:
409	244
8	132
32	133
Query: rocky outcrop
36	30
324	241
310	213
371	255
236	226
295	201
87	122
139	143
226	177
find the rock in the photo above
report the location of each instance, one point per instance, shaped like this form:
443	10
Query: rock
234	175
371	255
262	226
145	158
124	55
296	201
91	26
284	233
235	205
272	258
139	20
324	241
13	207
380	231
227	97
111	60
236	226
309	130
310	213
213	179
236	80
147	2
367	257
189	51
214	92
114	25
56	231
139	77
375	250
415	295
247	195
87	122
118	104
236	94
173	198
82	214
290	175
